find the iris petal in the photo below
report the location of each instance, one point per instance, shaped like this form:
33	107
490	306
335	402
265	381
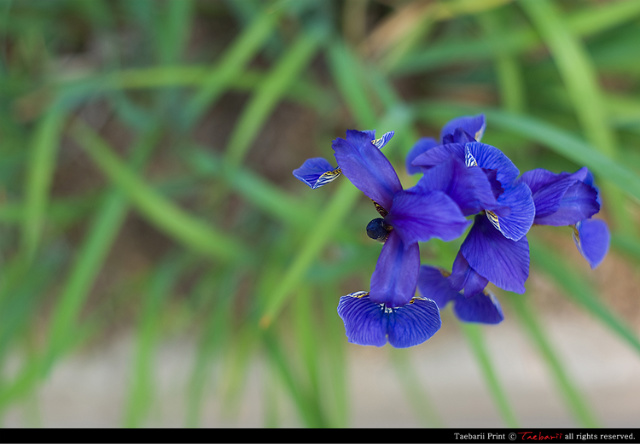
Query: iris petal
316	172
366	167
414	323
364	321
394	279
465	278
490	157
592	240
483	308
472	125
439	154
518	220
434	285
369	323
564	198
469	188
502	261
418	216
422	146
382	141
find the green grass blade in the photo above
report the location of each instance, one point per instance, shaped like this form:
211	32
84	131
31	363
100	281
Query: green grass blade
473	333
232	62
186	229
580	291
572	396
275	84
38	178
90	257
581	81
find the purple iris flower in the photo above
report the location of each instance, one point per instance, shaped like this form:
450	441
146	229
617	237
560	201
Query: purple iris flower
482	181
389	309
570	199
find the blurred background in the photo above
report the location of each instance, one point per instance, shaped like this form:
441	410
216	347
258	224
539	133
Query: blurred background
161	266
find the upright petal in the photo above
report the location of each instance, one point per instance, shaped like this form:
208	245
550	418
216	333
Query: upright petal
490	157
414	323
592	239
473	125
516	222
422	146
469	188
367	168
439	154
364	321
394	279
417	216
316	172
482	308
502	261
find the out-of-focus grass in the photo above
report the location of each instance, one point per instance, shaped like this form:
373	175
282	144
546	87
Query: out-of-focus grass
190	117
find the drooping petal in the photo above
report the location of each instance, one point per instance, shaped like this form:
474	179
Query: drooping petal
490	157
433	284
382	141
395	277
422	146
370	323
516	222
316	172
580	201
592	240
418	216
465	279
562	199
439	154
482	308
502	261
473	125
365	322
414	323
360	138
366	167
469	188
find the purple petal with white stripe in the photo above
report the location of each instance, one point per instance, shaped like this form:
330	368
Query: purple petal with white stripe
502	261
491	158
517	221
316	172
439	154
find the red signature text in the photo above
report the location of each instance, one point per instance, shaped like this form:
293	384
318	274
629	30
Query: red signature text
539	436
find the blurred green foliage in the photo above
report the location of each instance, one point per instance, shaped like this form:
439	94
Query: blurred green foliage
145	173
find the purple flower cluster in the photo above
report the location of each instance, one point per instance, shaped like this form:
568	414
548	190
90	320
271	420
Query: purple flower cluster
463	183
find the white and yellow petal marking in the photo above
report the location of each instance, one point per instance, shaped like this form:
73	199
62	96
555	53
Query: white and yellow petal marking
358	294
493	218
382	141
469	160
329	176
